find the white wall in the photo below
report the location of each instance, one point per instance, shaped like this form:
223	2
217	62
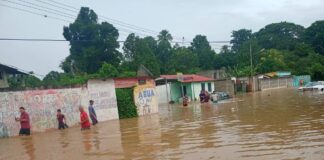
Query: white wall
196	88
161	92
42	105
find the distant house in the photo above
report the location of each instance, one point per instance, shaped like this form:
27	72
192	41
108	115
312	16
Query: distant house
6	72
175	86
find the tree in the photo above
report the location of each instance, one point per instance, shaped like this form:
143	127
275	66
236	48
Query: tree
271	60
244	56
129	47
282	36
32	81
164	50
144	55
52	79
107	71
91	43
225	58
314	35
239	37
184	61
200	46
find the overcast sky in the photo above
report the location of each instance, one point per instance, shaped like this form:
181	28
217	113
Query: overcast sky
183	18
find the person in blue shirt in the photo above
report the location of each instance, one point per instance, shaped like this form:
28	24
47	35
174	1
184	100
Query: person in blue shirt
92	113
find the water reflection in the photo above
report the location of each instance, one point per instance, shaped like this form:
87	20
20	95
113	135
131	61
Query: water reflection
275	124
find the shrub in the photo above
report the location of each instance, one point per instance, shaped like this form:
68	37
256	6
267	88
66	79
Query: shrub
125	103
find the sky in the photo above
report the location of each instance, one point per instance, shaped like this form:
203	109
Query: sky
182	18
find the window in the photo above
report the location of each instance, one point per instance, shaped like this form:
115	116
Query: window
203	86
209	87
141	81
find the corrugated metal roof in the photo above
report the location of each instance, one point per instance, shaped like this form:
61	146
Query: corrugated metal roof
187	78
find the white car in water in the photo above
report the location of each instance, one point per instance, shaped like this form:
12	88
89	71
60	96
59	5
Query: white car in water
319	85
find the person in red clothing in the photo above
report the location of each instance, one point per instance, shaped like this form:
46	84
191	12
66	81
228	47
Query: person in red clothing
84	118
24	122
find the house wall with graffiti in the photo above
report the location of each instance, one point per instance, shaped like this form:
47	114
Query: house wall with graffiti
145	98
42	105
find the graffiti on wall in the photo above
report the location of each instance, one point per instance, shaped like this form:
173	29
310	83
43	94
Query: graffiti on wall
42	105
145	99
104	96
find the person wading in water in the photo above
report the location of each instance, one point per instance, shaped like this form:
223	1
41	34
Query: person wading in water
24	122
92	113
84	119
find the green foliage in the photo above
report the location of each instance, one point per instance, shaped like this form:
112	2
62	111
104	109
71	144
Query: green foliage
107	71
91	43
52	79
314	35
239	37
32	82
125	103
184	61
164	51
281	36
201	47
271	60
145	56
127	74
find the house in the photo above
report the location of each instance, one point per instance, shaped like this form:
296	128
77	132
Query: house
6	72
174	87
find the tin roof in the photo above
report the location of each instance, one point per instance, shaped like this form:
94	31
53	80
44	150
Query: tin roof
187	78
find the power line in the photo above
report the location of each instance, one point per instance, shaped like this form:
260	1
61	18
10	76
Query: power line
63	40
73	16
35	13
40	9
45	15
45	40
116	22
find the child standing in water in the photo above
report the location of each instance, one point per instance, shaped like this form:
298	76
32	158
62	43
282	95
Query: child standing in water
61	120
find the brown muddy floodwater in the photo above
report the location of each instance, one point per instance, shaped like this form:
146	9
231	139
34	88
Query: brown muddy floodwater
268	125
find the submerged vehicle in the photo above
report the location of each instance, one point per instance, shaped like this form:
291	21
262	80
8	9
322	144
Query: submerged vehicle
319	85
218	96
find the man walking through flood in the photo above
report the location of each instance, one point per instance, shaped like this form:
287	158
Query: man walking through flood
92	113
84	119
24	122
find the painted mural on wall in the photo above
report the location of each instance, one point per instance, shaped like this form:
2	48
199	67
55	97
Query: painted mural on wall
104	96
145	99
42	105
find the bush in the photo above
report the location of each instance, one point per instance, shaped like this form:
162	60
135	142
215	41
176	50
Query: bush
125	103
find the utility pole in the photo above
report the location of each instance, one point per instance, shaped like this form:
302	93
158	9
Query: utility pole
251	67
251	59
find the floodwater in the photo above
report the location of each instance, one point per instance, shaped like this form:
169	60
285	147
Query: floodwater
275	124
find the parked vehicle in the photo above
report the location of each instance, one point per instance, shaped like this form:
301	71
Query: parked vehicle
218	96
319	85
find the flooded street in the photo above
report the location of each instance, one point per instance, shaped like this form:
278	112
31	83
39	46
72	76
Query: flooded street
275	124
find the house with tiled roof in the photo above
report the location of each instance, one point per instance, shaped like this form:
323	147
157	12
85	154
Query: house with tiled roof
176	86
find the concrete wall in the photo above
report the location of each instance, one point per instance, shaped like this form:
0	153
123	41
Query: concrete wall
163	93
275	83
145	99
225	86
42	105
